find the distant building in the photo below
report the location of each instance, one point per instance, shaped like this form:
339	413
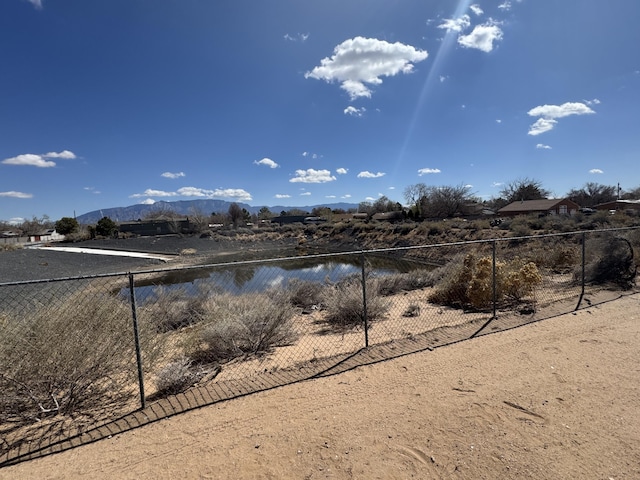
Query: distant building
49	235
147	228
620	205
554	206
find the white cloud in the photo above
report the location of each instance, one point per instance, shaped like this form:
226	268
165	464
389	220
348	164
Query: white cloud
542	125
549	113
498	120
595	101
456	24
348	195
311	155
505	6
312	176
354	112
65	154
596	170
149	192
482	37
148	201
341	171
359	61
16	194
475	8
330	196
367	174
267	162
92	190
442	78
41	161
497	184
173	175
426	171
305	194
282	195
542	146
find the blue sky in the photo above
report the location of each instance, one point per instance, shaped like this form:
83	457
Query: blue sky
108	103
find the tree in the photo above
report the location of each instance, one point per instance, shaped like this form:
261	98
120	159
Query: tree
265	214
35	225
106	227
445	201
235	214
412	196
593	194
67	225
633	194
523	189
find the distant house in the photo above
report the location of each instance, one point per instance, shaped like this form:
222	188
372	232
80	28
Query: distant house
554	206
622	205
49	235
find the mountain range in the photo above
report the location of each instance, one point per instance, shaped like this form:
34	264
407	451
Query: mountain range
190	207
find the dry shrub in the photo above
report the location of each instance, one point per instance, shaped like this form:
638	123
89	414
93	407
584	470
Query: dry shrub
71	356
303	293
345	307
176	377
404	282
470	284
240	325
611	261
173	308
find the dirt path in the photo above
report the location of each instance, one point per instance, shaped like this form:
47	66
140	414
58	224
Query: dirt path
554	399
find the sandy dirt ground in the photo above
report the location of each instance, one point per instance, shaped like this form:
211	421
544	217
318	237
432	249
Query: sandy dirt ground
557	399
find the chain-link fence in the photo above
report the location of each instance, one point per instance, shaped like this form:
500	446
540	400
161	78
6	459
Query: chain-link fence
79	355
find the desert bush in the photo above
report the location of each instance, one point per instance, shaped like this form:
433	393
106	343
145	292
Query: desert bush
402	282
469	284
173	308
344	304
9	247
610	261
71	356
176	377
234	326
304	294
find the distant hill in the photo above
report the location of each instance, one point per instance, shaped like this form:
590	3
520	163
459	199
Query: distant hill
189	207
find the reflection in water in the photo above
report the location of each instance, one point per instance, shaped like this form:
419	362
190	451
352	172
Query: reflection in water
240	279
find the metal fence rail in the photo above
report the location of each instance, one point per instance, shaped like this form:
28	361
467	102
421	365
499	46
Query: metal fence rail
79	355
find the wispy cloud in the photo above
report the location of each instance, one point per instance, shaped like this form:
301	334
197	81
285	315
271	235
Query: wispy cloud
305	194
542	146
173	175
282	195
16	194
36	3
354	112
367	174
233	193
341	171
475	8
39	160
311	155
298	37
312	176
505	6
549	113
427	171
267	162
596	171
359	62
456	24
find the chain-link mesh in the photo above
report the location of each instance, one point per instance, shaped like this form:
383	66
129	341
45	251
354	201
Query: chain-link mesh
68	357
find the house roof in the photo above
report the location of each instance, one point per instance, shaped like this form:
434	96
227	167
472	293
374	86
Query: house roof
532	205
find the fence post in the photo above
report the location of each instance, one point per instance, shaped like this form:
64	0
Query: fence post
494	280
582	280
136	334
364	302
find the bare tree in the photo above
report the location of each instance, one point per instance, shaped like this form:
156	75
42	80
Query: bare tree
593	194
235	214
523	189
